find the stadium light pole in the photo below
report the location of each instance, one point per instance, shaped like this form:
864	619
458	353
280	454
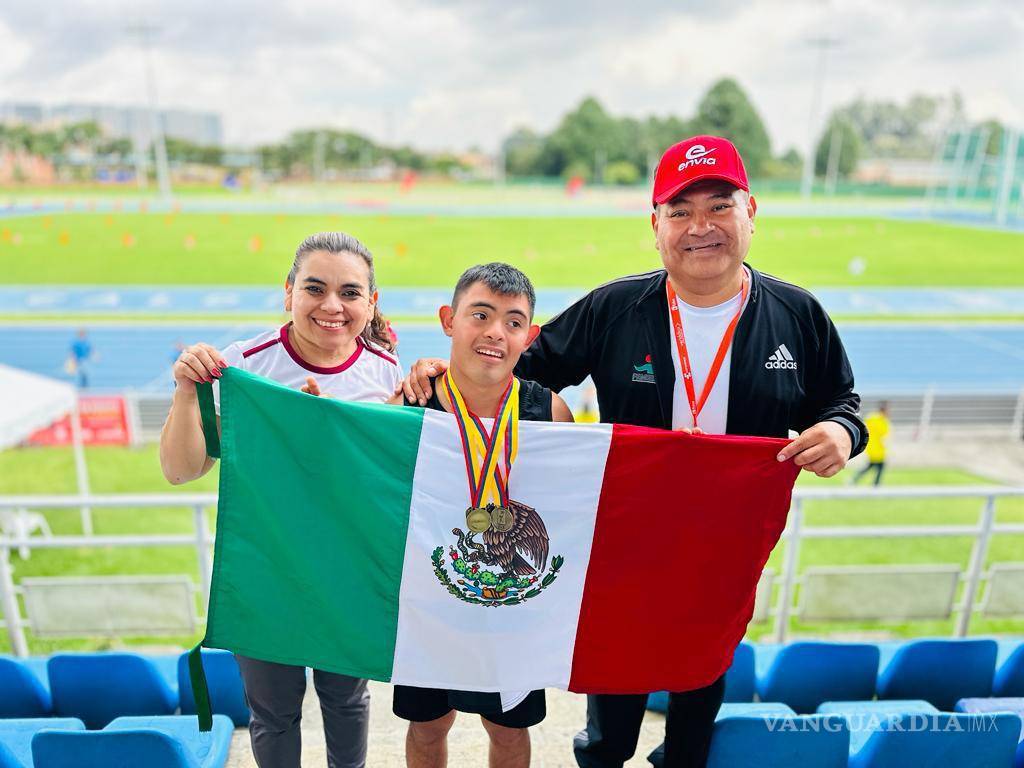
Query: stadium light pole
144	32
822	44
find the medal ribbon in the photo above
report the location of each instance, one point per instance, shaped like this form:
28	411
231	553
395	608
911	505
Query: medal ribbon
489	457
696	406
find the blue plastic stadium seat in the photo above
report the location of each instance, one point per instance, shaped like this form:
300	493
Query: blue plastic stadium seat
764	657
754	709
16	737
22	693
1014	705
97	687
863	718
939	671
779	740
803	675
147	742
963	741
1009	678
739	681
658	701
224	680
771	735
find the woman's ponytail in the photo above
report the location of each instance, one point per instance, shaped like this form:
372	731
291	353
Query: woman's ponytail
378	331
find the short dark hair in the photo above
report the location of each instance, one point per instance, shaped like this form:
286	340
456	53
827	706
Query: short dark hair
500	278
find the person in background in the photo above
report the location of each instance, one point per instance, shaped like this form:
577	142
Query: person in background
80	356
587	413
878	432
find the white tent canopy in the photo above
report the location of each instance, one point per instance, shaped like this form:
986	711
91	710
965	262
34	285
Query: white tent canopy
29	402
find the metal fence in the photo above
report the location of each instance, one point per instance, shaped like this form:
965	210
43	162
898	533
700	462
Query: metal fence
922	414
982	532
968	583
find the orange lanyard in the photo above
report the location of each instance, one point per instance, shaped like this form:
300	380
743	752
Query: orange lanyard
696	406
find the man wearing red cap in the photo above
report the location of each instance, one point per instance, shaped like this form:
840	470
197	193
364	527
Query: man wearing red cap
706	344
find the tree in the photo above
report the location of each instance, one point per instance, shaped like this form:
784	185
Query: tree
115	148
522	151
849	146
621	172
661	133
726	111
890	129
788	165
994	145
80	134
181	151
589	137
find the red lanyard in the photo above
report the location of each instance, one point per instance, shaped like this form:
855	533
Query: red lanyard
684	358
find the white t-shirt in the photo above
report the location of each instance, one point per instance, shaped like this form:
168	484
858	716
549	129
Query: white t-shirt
369	375
703	328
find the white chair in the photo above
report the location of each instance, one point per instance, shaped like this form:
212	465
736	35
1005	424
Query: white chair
20	524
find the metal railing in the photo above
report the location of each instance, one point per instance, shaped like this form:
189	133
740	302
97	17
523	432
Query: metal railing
923	414
200	539
795	533
982	533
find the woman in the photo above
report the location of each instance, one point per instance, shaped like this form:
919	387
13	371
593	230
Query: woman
337	344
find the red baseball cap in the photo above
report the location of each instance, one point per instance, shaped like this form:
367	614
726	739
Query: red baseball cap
696	159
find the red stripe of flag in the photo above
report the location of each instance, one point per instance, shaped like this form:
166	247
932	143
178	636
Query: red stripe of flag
665	605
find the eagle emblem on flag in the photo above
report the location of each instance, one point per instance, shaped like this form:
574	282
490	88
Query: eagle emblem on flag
508	566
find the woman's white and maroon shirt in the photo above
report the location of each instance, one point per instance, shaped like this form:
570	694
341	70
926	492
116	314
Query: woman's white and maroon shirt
369	375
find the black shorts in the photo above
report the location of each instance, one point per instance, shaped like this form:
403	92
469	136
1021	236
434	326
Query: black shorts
421	705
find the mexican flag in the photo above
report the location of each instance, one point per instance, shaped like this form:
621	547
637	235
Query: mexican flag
342	544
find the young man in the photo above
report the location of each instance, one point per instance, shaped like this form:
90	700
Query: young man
704	344
490	323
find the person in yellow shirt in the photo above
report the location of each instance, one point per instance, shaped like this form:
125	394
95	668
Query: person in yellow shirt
878	432
587	413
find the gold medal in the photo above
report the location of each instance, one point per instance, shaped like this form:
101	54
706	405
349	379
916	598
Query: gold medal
502	519
477	519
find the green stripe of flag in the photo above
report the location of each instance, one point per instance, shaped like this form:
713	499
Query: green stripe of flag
314	495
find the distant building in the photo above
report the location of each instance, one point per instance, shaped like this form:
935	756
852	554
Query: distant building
21	167
477	166
29	114
898	172
131	122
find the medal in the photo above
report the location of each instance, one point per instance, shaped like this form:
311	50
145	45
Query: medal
489	456
501	519
477	519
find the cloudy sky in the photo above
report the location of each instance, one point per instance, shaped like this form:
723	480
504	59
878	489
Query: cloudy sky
449	74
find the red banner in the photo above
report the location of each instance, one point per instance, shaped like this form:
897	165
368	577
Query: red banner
104	422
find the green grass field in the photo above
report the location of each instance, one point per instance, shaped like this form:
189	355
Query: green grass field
251	249
50	470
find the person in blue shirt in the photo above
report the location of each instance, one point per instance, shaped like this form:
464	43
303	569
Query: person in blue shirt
79	357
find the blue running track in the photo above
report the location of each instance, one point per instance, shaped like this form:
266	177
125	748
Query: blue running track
227	300
888	359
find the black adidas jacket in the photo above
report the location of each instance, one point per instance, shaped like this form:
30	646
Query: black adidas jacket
611	331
